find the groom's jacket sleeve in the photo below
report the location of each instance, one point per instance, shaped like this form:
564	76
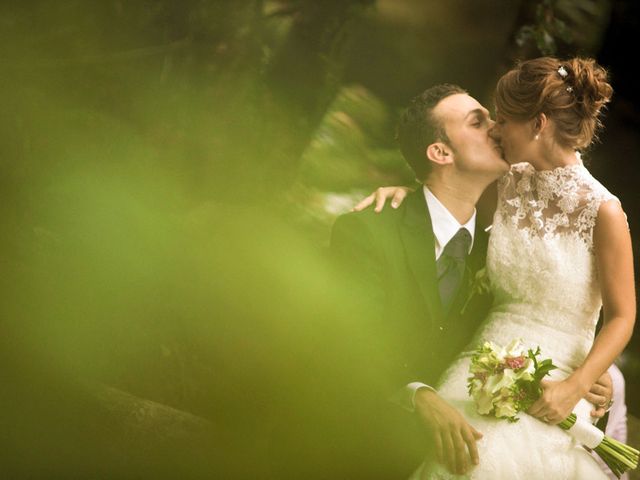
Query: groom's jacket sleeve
363	264
359	259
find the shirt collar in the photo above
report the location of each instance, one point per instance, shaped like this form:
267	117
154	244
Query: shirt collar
445	225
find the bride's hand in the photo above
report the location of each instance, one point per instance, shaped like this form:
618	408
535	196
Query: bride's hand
557	400
380	196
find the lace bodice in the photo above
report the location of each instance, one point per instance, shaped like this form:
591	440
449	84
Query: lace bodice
541	262
562	201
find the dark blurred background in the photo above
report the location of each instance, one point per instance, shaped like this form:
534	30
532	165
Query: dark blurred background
170	173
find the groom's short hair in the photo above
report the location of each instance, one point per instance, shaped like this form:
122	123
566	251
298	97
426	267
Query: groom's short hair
419	128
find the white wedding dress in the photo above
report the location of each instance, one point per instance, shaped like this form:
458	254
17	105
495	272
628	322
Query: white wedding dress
542	271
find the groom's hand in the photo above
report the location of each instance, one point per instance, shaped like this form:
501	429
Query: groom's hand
452	434
600	395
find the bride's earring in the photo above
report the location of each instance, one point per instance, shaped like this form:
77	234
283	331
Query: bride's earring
537	137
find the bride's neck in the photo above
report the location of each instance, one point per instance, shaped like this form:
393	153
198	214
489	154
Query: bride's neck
555	158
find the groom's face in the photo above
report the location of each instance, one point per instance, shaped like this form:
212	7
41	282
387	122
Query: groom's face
467	123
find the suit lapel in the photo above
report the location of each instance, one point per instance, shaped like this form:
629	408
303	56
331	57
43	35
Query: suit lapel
417	236
478	256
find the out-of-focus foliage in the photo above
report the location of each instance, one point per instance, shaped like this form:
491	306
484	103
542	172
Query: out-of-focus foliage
559	26
352	152
547	27
354	145
121	122
146	148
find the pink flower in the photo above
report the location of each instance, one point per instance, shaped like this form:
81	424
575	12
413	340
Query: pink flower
515	362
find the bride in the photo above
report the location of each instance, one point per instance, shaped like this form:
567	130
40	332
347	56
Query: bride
559	251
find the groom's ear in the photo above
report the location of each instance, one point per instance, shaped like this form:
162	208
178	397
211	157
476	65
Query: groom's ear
439	153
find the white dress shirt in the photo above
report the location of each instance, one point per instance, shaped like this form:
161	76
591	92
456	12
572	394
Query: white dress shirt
445	226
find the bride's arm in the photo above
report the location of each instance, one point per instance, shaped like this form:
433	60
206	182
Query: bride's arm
614	260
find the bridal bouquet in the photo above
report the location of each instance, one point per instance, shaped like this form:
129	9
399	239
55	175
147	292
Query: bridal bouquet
506	380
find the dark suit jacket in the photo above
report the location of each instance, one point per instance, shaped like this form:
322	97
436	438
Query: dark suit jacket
391	261
389	258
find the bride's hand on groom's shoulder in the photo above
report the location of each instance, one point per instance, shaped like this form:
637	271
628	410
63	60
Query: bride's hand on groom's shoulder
380	196
454	438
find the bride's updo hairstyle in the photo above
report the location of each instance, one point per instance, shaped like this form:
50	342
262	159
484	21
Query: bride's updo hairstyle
571	92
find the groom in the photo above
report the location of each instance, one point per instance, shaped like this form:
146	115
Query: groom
415	268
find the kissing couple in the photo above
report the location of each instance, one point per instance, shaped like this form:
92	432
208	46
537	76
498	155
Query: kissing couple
558	252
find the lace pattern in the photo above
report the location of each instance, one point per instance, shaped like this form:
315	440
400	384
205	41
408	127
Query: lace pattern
564	200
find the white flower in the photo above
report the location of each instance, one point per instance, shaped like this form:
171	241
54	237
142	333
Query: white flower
505	408
480	285
484	402
515	348
496	383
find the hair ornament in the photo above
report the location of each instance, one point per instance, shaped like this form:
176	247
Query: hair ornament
562	72
569	89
